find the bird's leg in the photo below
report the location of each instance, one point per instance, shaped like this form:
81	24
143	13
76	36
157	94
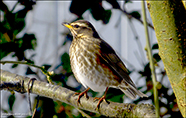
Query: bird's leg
81	94
102	98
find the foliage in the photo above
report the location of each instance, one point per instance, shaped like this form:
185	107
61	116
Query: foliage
11	25
11	101
14	23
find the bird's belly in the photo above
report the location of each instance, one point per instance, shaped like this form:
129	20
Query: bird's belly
87	81
89	73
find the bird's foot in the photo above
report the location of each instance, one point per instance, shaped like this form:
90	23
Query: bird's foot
100	100
81	94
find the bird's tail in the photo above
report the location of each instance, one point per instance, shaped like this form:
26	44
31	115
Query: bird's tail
131	91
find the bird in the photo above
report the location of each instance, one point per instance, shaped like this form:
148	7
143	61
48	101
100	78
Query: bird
95	64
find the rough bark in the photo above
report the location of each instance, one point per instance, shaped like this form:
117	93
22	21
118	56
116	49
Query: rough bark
20	84
169	19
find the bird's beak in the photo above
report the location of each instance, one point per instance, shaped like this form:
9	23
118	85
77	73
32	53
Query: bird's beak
67	25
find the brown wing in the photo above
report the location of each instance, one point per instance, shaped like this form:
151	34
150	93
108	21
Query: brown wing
111	58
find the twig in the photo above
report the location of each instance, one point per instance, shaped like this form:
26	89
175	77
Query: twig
28	91
138	57
45	72
36	107
154	80
14	6
83	113
130	16
138	41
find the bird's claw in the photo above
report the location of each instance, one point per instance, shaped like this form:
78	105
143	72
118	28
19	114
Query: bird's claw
99	102
81	94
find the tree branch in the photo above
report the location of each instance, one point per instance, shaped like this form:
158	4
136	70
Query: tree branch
130	16
111	109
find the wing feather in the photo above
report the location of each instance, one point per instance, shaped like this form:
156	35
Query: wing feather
111	58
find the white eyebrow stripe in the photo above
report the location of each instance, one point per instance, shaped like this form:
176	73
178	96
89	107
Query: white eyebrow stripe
80	24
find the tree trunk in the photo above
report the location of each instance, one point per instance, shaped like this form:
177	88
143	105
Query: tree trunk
169	19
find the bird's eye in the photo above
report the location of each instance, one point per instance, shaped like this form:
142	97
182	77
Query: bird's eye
76	26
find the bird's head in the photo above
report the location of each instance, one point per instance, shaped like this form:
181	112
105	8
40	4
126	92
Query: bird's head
81	28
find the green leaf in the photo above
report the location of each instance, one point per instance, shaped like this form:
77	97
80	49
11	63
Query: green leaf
135	14
155	46
3	34
19	25
78	7
14	65
114	4
11	101
7	48
28	41
106	16
157	57
3	54
3	7
16	21
99	13
29	61
115	95
146	72
128	1
29	71
118	98
27	3
66	62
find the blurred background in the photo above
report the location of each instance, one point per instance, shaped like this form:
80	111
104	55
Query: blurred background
31	31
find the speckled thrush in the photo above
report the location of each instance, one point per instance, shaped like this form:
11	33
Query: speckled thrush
95	64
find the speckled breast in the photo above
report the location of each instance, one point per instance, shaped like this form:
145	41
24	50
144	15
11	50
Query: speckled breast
87	67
